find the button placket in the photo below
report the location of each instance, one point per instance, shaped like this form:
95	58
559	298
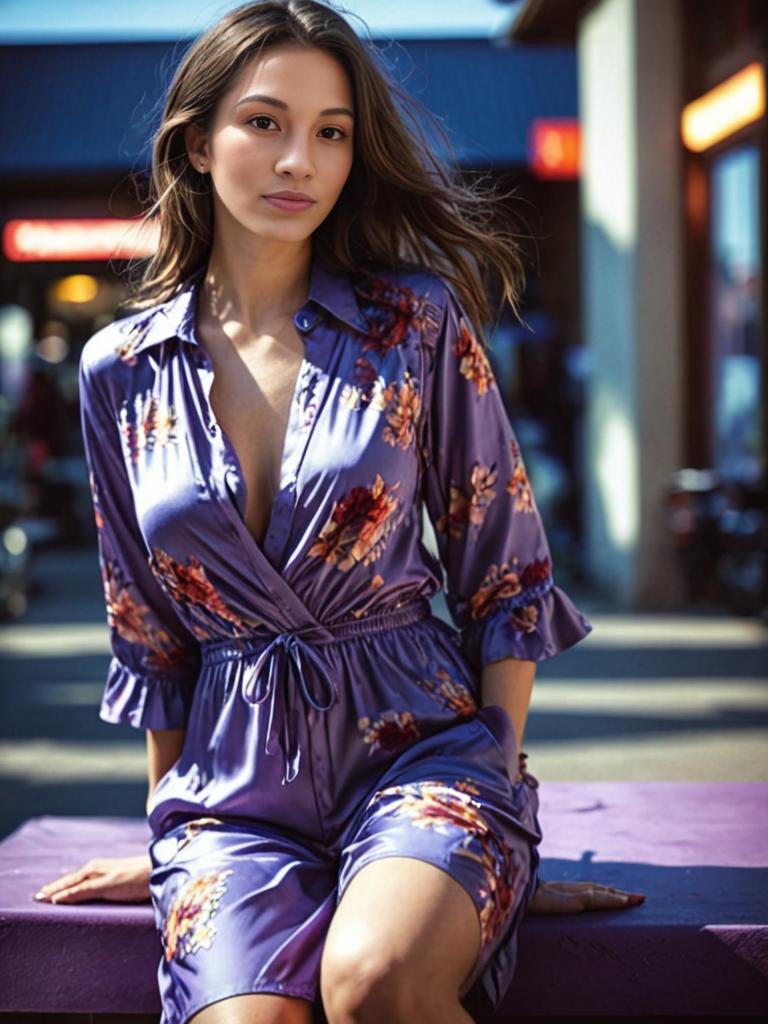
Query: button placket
296	440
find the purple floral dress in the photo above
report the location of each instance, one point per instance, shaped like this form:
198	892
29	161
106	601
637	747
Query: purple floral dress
331	718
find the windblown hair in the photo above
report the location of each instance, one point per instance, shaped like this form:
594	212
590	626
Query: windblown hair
400	204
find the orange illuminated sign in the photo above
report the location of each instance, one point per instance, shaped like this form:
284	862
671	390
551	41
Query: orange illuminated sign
96	238
554	147
737	101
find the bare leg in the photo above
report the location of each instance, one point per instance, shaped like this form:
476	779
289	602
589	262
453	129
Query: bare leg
400	947
255	1008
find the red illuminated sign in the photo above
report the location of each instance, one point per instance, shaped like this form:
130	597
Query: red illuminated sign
554	147
96	238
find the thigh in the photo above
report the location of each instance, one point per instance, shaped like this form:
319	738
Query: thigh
453	802
383	932
255	1009
241	909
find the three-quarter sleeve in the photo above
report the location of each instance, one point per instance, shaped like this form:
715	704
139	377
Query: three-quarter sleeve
155	659
499	583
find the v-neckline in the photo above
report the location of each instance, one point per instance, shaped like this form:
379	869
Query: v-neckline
262	548
285	596
259	550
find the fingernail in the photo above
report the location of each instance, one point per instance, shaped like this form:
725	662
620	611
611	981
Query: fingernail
636	898
40	895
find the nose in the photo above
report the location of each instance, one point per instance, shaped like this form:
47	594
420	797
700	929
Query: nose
295	158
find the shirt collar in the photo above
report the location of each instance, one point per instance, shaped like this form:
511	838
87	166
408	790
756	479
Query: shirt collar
175	318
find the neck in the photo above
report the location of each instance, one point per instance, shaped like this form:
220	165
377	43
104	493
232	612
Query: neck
254	291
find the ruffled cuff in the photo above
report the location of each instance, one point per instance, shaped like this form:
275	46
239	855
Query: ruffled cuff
145	701
536	630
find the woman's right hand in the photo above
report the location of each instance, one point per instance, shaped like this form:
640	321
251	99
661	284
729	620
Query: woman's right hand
117	879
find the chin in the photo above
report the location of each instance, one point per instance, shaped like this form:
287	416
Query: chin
278	232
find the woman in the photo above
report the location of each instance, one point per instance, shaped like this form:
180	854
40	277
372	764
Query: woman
335	775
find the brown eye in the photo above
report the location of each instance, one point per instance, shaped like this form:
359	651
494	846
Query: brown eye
261	117
342	134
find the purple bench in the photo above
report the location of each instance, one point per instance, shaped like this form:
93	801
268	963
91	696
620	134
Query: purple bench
699	851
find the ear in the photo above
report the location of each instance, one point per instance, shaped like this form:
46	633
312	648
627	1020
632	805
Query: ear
196	142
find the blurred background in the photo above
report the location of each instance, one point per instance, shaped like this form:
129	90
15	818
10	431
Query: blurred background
634	135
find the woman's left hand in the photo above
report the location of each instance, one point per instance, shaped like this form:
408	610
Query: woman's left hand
574	897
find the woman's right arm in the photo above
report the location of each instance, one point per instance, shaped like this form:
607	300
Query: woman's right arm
155	657
163	750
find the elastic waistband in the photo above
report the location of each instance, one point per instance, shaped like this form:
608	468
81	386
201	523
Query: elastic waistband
230	648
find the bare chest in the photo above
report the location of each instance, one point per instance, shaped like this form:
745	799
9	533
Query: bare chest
251	397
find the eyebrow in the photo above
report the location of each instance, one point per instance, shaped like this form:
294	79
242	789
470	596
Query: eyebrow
261	98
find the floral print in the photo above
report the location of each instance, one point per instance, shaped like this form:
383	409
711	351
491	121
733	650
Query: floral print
369	390
456	696
390	731
357	528
98	518
391	311
131	620
469	508
504	878
132	334
436	805
505	581
400	402
518	484
403	414
189	926
192	829
187	584
474	365
154	424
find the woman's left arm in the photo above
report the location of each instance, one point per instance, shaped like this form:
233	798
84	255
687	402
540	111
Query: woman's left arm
500	586
509	683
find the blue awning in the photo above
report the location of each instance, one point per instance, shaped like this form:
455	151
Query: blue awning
93	107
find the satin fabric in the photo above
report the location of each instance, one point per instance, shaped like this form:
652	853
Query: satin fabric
330	717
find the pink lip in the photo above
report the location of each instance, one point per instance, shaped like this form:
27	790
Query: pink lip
289	204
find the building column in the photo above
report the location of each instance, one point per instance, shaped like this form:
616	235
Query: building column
630	78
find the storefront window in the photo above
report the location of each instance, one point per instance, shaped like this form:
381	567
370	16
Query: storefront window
735	316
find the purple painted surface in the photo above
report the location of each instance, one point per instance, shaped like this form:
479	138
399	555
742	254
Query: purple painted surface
84	958
698	945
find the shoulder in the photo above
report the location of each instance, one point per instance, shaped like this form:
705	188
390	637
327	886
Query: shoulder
404	294
405	281
108	353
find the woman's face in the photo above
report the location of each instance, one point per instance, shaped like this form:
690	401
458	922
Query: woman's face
286	125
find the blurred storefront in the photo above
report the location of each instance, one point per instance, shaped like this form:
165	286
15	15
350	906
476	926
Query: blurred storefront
674	245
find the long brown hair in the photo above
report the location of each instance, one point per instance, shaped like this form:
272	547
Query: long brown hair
400	204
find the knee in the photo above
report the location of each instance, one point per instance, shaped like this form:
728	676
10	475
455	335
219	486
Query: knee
361	984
